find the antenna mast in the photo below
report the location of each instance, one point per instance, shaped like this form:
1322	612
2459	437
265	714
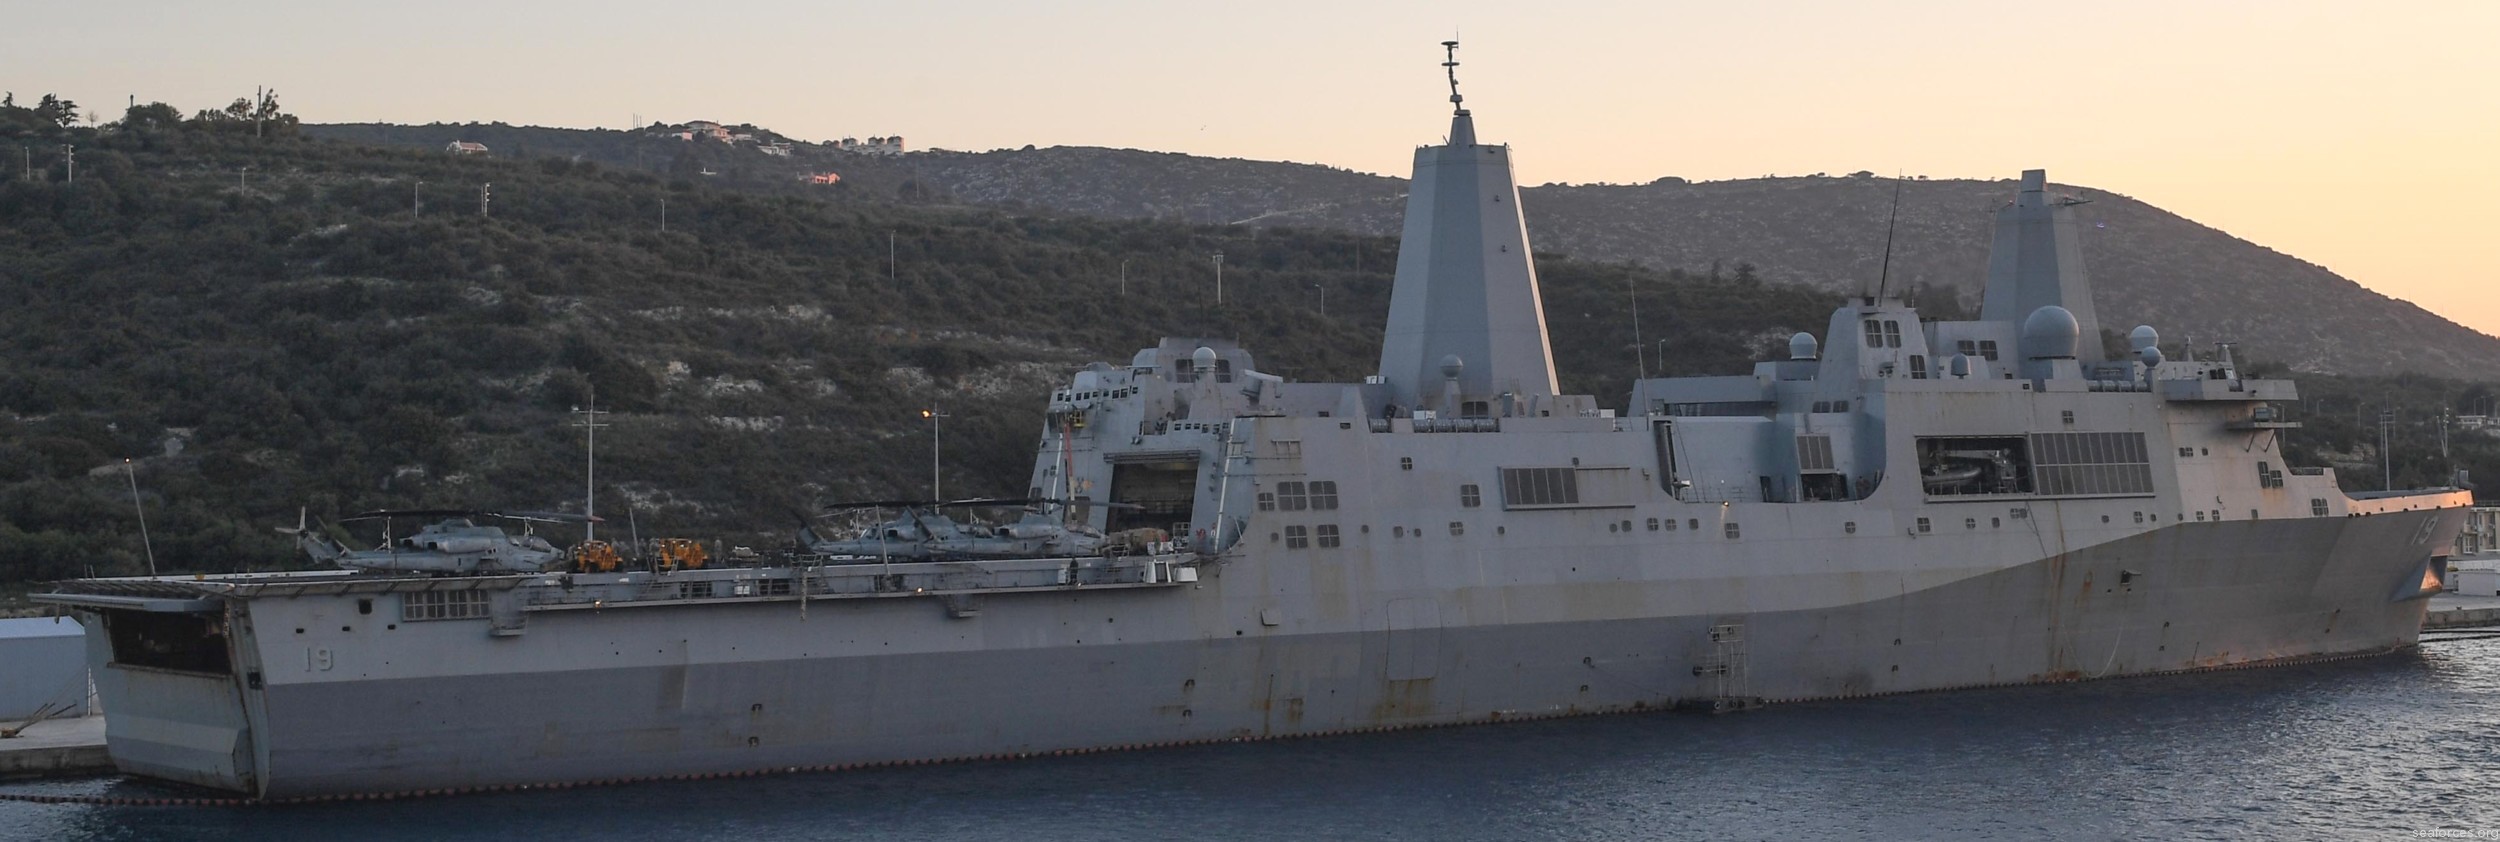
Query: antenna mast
1456	106
1883	278
133	474
590	472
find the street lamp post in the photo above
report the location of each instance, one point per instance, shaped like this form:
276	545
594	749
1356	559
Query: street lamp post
1323	300
933	415
1124	277
1219	279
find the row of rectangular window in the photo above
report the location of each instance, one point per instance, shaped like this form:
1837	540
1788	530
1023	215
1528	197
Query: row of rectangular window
1320	495
442	605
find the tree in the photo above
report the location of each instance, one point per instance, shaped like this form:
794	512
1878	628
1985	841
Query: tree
60	111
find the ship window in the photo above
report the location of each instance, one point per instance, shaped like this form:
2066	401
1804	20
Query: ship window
1693	523
1994	523
2217	514
1874	331
1970	523
1297	537
1324	495
2067	416
1397	532
1470	496
1267	501
2018	513
776	587
1290	497
1184	372
1840	406
1918	366
1850	527
1457	528
1223	371
442	605
1406	463
2187	451
1287	448
2139	517
1967	347
1923	526
1892	334
2317	506
1988	348
2200	516
1328	538
1733	531
1653	524
1475	409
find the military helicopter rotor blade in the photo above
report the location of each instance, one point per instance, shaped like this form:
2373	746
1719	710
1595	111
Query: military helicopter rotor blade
384	514
881	504
546	517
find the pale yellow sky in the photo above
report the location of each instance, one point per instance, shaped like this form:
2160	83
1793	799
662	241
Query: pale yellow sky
2357	136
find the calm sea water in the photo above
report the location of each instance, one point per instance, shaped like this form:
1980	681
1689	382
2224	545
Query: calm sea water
2404	746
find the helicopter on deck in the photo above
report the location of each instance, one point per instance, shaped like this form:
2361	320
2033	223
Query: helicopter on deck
923	532
456	543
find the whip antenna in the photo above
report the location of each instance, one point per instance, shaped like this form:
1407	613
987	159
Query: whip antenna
1883	278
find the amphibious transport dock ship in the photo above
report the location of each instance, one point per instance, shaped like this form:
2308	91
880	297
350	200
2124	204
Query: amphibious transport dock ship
1902	505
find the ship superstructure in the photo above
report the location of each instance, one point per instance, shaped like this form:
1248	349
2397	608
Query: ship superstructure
1898	505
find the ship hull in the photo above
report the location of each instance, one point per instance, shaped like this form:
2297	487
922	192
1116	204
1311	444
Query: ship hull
611	695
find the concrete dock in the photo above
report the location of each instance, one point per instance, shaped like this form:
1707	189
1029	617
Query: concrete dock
56	748
2453	611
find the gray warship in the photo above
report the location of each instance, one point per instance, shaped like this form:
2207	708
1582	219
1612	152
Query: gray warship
1903	505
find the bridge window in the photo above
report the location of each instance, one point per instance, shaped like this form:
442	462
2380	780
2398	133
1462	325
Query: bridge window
1874	330
1457	528
1924	526
2317	506
1328	538
1892	334
1733	532
1297	537
1470	496
1267	501
1653	524
1988	348
1324	495
1291	497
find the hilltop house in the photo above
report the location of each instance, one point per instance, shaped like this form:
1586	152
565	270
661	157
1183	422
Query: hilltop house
462	147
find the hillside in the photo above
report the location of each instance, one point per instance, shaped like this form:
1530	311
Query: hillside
268	323
2148	265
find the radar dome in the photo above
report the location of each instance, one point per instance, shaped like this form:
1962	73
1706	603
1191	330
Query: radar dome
1203	358
1803	347
2149	355
2050	333
1452	366
2142	337
1961	365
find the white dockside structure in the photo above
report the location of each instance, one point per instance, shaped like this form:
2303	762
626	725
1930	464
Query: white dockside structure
1897	505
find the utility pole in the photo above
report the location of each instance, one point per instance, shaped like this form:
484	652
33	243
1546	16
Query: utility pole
1640	353
1123	277
30	161
242	178
889	260
485	193
1219	279
933	415
590	472
70	153
416	200
1323	300
2386	458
